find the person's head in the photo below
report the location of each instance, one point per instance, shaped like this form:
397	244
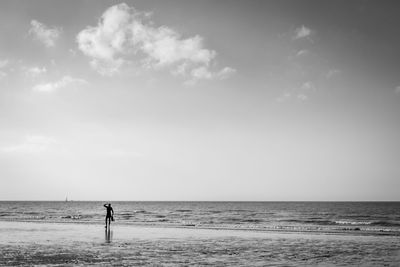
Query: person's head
109	204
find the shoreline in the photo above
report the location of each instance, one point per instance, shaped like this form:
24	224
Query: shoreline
27	232
318	230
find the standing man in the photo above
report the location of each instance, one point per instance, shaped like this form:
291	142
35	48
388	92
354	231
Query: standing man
110	214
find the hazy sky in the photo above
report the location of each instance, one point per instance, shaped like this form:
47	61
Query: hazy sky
199	100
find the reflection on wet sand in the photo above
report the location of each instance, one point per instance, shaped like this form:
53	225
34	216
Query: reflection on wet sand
108	235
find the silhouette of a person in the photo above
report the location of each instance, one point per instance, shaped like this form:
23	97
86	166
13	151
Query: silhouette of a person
110	213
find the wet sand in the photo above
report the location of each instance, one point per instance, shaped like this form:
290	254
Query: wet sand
55	244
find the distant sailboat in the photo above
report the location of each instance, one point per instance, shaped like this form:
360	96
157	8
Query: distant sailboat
66	199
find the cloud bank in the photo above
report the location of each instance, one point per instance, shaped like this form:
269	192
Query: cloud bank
46	35
124	34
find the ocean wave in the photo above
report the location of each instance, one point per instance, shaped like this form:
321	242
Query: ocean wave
387	223
215	211
344	222
183	210
30	213
310	221
233	220
374	223
125	214
238	210
253	220
73	217
142	211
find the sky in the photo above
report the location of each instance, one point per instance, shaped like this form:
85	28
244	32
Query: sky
183	100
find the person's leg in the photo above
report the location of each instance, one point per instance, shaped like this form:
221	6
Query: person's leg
106	222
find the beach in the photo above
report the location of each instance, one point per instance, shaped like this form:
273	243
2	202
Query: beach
67	244
208	133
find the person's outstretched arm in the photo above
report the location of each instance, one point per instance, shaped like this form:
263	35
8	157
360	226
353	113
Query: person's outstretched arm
105	205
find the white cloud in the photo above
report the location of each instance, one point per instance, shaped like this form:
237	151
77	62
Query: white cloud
284	97
107	67
62	83
2	74
3	63
31	144
48	36
226	73
124	34
203	73
72	52
35	71
305	90
302	97
302	53
332	73
302	32
301	93
307	86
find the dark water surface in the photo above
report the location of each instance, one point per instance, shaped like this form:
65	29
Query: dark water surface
345	217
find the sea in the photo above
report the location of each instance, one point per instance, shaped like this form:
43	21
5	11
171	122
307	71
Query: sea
72	233
375	218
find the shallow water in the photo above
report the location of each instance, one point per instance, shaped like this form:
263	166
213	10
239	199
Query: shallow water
82	245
